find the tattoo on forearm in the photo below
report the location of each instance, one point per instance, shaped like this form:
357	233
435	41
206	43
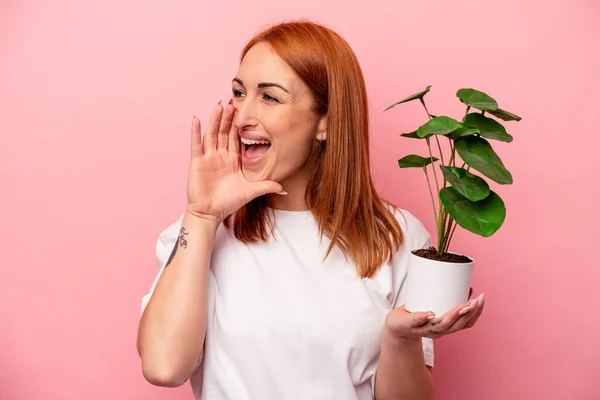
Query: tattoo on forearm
180	242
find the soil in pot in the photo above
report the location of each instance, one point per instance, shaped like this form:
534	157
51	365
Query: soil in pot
431	254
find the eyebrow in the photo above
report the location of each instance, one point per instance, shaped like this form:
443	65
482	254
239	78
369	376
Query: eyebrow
263	85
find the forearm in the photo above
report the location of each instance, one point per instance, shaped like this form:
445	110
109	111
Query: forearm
402	373
173	325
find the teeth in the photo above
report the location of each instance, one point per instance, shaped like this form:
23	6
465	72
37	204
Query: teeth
250	141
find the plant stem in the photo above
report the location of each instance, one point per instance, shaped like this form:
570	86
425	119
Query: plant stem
424	106
446	225
430	193
434	173
447	228
440	231
451	234
439	215
436	138
441	154
467	112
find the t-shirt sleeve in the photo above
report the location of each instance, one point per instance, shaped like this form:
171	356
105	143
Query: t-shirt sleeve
416	237
164	247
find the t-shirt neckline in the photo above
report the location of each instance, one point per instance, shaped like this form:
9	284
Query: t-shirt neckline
292	215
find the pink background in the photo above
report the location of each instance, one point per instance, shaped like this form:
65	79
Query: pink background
96	102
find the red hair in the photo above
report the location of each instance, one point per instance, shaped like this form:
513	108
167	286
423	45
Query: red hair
340	191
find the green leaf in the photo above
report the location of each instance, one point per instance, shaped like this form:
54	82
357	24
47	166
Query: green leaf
476	99
414	161
410	98
462	132
471	186
477	153
412	135
439	126
488	128
483	217
505	115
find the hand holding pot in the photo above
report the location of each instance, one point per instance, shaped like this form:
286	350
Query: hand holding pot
403	324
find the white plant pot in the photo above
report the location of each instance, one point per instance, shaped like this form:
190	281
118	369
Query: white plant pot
436	285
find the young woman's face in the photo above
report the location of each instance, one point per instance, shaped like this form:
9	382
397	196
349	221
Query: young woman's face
277	123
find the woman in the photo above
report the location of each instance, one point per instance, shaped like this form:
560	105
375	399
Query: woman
284	277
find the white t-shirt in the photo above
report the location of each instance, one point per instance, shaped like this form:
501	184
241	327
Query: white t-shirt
283	324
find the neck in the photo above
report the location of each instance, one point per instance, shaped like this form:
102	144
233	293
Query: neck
295	200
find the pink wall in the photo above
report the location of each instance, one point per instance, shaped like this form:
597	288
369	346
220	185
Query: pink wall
95	107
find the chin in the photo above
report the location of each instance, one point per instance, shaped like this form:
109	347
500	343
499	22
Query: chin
254	173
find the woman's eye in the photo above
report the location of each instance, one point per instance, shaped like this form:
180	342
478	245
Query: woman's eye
237	93
270	98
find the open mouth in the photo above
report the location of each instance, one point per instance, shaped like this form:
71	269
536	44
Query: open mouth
254	150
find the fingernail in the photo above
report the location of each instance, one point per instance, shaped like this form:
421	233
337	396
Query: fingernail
431	317
465	310
230	101
481	300
219	102
468	308
283	192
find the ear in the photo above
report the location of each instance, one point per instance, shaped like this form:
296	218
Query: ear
322	128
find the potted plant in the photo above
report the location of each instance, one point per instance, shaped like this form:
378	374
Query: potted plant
438	279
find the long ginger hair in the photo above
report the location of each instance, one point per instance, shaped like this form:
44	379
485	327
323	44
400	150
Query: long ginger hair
340	191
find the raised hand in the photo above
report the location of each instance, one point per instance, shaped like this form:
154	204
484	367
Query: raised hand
216	185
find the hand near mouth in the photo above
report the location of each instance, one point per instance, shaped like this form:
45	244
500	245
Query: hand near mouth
216	185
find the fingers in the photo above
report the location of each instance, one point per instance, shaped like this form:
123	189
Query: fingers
234	137
442	324
457	319
196	144
418	319
261	188
460	323
212	130
476	314
225	127
421	318
468	319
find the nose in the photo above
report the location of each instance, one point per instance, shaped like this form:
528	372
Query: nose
246	115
